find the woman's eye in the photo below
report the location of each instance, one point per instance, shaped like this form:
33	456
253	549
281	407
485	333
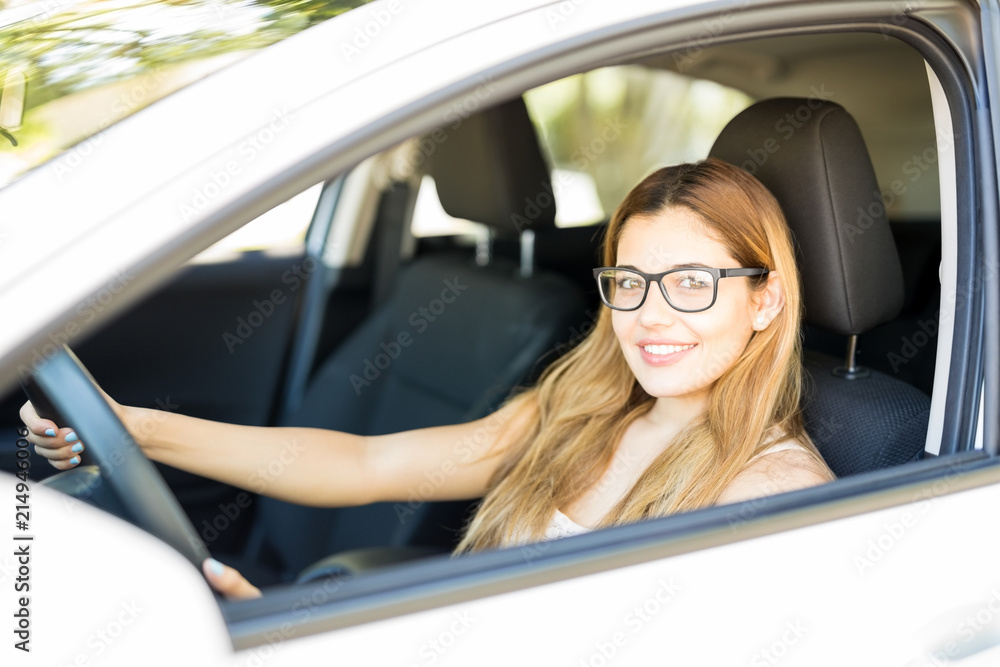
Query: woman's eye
693	282
629	283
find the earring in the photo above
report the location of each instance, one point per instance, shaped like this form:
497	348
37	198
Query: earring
760	320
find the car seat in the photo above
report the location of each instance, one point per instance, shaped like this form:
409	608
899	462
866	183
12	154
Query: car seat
474	332
811	155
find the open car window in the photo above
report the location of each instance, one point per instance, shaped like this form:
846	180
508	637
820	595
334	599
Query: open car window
589	127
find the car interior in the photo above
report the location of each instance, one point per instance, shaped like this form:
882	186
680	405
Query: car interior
375	332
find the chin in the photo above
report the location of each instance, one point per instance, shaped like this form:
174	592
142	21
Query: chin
671	389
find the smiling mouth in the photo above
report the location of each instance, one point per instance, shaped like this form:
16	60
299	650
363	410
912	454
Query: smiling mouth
666	349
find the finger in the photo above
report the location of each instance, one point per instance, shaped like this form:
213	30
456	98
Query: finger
63	451
63	464
228	581
57	450
36	425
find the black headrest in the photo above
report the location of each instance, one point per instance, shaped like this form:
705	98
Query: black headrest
811	156
489	168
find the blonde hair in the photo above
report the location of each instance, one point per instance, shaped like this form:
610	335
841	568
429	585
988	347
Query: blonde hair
584	402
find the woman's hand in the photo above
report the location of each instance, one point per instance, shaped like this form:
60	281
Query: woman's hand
60	445
228	581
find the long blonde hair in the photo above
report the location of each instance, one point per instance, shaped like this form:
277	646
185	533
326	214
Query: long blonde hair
584	402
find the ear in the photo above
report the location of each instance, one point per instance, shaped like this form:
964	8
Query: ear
767	303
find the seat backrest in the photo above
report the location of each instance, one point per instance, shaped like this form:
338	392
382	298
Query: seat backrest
812	157
447	345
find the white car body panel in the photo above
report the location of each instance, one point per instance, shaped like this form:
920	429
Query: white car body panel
820	595
806	585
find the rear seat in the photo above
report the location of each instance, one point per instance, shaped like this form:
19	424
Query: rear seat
447	345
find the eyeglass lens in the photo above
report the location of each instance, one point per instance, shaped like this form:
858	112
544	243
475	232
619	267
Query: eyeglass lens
687	289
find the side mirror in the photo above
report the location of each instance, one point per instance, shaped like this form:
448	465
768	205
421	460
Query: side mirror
12	101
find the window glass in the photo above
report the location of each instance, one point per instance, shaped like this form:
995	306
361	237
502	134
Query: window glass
282	228
605	130
90	63
602	132
430	218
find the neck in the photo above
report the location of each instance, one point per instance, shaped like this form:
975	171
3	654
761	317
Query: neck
677	412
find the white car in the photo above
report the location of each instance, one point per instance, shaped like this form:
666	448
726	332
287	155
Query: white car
388	220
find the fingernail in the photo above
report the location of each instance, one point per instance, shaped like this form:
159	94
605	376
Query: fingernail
71	437
77	448
215	567
74	460
50	432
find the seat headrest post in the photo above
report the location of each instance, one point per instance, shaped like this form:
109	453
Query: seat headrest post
850	370
527	253
484	248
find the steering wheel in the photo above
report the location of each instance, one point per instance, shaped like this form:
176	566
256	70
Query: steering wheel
123	481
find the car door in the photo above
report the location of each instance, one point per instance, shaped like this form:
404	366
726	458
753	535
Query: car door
772	581
860	570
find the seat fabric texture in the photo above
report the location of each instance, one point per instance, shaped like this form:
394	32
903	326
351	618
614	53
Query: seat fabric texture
819	170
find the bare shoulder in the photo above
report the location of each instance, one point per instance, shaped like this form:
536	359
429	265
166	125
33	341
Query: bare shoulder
776	472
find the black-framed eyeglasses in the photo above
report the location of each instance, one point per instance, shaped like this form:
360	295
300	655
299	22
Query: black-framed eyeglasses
687	289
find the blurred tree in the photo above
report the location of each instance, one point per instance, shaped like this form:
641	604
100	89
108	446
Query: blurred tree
67	49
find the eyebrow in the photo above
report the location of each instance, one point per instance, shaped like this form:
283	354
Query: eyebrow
685	265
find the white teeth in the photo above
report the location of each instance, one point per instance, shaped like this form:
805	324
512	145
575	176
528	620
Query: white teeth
666	349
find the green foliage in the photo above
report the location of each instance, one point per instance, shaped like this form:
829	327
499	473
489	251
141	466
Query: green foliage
67	51
89	44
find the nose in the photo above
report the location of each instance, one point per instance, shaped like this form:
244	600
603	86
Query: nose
655	311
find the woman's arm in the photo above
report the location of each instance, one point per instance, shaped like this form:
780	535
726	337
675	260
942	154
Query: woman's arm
312	466
777	472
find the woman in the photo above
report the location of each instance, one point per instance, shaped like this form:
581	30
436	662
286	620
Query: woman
686	394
